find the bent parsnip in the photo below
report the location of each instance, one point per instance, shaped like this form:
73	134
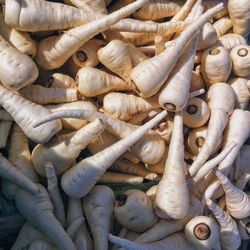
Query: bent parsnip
26	113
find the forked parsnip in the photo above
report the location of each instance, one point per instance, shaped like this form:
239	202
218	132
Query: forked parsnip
75	211
125	106
242	92
71	123
98	206
196	113
222	26
239	12
17	70
229	233
230	40
4	132
134	211
164	228
54	51
64	149
38	211
167	205
240	55
150	148
237	201
18	39
59	80
92	82
221	101
20	157
81	178
158	68
202	232
41	95
118	178
12	174
216	65
26	113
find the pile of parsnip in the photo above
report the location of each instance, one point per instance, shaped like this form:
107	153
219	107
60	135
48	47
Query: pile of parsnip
99	92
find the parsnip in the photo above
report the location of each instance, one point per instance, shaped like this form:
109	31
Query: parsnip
118	178
211	3
230	40
223	25
58	80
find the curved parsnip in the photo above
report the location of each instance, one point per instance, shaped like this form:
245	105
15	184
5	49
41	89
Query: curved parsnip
197	138
240	55
174	176
17	70
64	149
230	40
239	12
196	113
221	101
92	82
26	113
151	74
216	65
58	80
41	95
98	206
164	228
20	157
242	92
71	123
149	149
54	51
134	211
229	233
21	40
93	167
208	36
4	132
38	211
202	232
237	201
124	106
223	25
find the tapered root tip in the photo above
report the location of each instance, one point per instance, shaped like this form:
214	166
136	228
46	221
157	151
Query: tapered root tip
202	231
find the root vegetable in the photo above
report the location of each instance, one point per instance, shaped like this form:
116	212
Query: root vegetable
211	3
222	26
4	132
230	40
118	178
58	80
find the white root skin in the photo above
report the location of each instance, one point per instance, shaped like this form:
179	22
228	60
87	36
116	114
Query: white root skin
242	92
208	37
134	211
221	101
160	66
164	228
26	113
197	81
237	201
223	25
18	39
115	56
136	55
159	45
92	82
93	167
240	55
197	138
239	12
211	3
196	113
242	181
63	150
229	233
71	123
41	95
125	106
166	204
97	5
118	178
58	80
54	193
230	40
17	70
149	149
202	232
4	132
98	208
41	245
54	51
74	226
216	65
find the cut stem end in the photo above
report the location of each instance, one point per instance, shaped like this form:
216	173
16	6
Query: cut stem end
202	231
